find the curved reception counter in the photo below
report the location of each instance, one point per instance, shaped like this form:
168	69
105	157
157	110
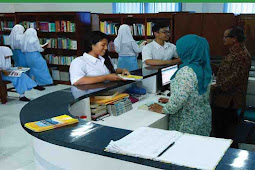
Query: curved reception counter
82	145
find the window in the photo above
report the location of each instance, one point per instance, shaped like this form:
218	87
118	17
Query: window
238	8
145	7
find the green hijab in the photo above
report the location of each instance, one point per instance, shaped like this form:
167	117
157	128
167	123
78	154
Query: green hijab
193	51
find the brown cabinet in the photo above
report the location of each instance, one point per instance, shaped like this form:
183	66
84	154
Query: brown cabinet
247	22
210	26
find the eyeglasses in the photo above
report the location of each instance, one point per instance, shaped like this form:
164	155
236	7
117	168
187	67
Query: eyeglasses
165	32
227	36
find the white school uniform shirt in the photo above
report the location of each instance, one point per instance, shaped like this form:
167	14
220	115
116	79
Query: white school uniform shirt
5	63
87	66
155	51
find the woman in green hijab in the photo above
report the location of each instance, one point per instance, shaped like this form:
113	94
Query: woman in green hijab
188	105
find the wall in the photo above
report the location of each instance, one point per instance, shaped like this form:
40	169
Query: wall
47	7
96	7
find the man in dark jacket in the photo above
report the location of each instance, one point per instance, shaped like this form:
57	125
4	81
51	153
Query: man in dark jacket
229	92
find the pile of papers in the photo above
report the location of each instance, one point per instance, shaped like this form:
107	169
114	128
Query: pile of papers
174	147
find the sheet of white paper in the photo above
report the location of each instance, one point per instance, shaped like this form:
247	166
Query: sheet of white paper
196	151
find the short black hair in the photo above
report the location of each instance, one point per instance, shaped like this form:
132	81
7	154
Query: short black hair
156	27
92	38
238	33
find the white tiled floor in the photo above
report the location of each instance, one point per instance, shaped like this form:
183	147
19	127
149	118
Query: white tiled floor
15	144
16	151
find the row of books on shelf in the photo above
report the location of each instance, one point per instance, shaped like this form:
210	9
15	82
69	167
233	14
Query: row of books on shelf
59	75
5	39
6	25
44	26
137	29
59	60
60	43
111	28
57	26
28	24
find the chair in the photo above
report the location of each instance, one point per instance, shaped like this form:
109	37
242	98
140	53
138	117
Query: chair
246	126
4	89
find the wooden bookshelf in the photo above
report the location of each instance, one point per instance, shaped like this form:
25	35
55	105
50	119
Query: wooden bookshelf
64	30
7	22
247	22
139	23
208	25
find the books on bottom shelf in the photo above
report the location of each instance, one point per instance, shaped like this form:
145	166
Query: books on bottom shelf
98	111
174	147
55	74
64	76
52	123
131	77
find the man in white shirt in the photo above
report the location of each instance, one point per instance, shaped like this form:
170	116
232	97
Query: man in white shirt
160	52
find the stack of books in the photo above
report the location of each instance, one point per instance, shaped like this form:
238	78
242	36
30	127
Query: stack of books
98	111
119	107
108	98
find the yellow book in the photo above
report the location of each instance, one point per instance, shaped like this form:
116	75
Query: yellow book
102	26
107	95
107	101
149	29
52	123
131	77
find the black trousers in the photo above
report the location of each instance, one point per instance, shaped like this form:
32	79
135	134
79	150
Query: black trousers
224	122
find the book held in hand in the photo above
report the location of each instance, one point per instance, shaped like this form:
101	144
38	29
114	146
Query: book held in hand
52	123
131	77
16	71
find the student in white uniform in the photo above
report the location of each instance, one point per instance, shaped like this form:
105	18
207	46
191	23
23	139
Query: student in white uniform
127	48
160	52
92	67
22	83
16	36
38	67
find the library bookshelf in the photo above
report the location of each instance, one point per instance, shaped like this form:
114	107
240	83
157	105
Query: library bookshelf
7	22
65	32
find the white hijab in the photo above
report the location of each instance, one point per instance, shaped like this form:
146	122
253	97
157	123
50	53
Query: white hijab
124	36
30	42
16	36
5	63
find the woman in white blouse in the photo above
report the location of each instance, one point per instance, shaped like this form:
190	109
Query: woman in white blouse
38	66
127	48
94	66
